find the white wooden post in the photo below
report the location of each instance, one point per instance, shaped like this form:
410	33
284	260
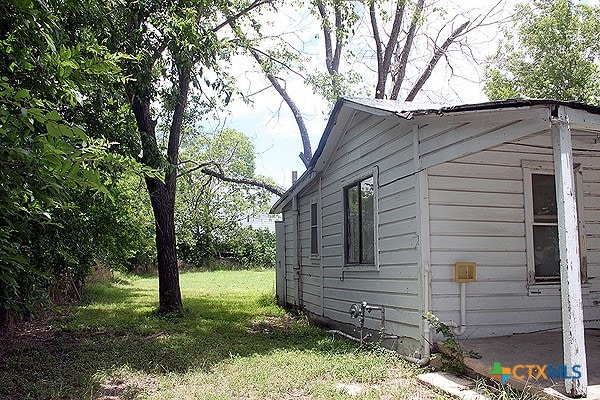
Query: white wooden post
568	239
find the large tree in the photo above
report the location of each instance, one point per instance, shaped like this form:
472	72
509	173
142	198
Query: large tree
397	44
209	210
46	72
177	47
554	54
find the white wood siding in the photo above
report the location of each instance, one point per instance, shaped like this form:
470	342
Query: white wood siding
382	145
290	255
311	269
477	214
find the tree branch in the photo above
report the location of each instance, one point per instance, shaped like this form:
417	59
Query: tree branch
380	87
439	52
307	155
198	166
326	36
177	120
338	39
400	73
391	45
245	181
246	10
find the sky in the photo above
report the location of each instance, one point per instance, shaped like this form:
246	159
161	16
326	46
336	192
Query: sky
270	124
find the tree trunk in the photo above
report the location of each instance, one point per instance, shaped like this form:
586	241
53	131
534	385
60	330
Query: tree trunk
5	320
162	197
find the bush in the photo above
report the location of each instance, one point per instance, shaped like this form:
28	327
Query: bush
254	247
242	248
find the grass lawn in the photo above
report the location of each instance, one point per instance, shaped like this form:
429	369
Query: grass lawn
233	343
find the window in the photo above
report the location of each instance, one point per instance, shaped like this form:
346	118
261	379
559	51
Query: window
541	217
545	227
314	231
359	221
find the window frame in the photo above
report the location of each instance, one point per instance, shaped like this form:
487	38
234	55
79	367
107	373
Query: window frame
531	168
355	181
314	230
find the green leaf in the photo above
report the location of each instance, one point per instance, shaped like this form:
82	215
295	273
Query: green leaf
53	116
22	94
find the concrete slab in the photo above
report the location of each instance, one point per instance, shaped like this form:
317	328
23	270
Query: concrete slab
452	384
543	348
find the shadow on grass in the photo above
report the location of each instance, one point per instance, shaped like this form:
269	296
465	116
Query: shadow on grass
65	362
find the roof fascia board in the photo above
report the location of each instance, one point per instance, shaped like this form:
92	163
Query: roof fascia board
583	120
370	109
490	114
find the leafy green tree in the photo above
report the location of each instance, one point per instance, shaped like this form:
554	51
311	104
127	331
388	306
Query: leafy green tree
177	46
90	230
44	154
209	209
554	54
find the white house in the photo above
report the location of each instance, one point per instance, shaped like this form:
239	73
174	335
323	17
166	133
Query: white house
398	193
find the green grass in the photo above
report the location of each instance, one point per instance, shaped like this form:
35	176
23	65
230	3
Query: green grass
232	342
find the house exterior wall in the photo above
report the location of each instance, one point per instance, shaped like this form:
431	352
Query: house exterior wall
381	147
310	279
289	220
477	213
440	199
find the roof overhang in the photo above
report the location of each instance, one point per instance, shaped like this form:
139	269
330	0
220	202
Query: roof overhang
584	116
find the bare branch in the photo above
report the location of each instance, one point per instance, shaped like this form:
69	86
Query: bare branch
245	181
326	36
270	58
307	155
233	18
381	74
391	45
400	73
197	166
439	52
338	40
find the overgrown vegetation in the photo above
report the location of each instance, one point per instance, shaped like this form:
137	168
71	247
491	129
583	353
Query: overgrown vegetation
495	391
51	169
233	342
453	358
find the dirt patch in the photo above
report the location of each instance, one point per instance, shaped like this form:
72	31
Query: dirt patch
124	389
272	323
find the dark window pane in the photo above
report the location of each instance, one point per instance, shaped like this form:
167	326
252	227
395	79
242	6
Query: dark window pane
353	227
544	198
314	242
545	244
367	223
